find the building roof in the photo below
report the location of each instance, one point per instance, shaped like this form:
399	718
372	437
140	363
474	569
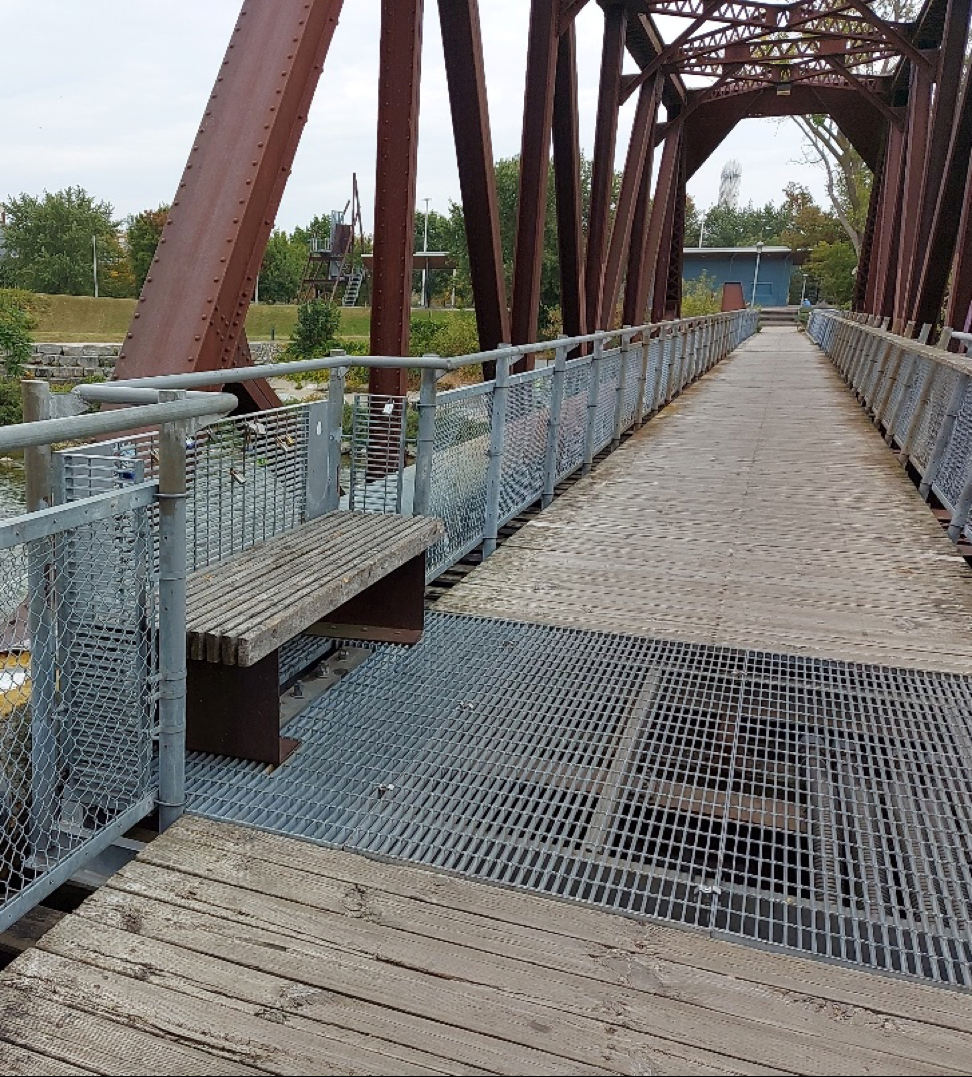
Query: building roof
737	250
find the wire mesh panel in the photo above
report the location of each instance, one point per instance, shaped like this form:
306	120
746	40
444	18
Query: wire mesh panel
912	394
247	480
651	382
525	441
77	692
815	805
459	462
378	431
933	415
246	477
607	397
956	466
573	417
632	381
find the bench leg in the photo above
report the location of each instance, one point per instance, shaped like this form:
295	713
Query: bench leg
391	610
235	711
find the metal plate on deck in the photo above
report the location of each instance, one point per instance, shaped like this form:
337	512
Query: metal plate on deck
820	806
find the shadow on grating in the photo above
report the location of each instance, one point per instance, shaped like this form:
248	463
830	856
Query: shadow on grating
815	805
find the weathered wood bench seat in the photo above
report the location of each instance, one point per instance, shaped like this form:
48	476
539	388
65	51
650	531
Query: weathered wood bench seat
348	574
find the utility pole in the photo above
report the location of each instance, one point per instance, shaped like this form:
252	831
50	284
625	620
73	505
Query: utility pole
425	250
94	263
759	251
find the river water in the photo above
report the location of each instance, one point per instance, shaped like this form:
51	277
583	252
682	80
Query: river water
11	487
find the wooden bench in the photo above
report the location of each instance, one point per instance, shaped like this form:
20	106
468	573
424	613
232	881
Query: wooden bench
345	574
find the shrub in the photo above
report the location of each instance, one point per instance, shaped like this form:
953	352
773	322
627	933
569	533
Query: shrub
314	334
701	296
16	321
10	409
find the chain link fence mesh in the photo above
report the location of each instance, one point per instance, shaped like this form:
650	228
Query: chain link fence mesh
78	692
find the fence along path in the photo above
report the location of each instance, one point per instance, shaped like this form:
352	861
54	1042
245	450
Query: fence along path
760	510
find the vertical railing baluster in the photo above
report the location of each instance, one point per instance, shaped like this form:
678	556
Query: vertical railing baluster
494	465
422	497
172	617
593	392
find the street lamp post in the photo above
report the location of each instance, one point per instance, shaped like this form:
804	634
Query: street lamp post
702	229
94	263
759	251
425	250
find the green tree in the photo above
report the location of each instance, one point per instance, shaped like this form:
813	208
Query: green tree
316	330
833	265
701	296
282	269
142	238
808	225
507	171
48	240
16	322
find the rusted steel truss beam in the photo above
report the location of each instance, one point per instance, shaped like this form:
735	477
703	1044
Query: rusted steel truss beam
566	155
534	168
191	311
602	174
463	47
400	52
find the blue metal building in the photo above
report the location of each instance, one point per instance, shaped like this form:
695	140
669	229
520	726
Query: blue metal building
723	264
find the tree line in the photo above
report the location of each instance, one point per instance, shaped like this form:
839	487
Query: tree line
49	243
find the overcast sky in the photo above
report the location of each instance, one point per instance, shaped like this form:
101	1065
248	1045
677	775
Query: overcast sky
107	94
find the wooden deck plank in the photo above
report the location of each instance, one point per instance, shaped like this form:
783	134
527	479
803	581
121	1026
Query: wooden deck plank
761	509
227	950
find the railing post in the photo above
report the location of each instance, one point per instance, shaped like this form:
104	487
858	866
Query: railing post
36	402
494	454
961	514
678	353
593	392
894	356
553	424
640	408
944	435
422	495
172	617
622	385
914	423
335	426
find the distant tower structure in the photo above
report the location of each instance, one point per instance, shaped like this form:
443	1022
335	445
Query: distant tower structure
729	184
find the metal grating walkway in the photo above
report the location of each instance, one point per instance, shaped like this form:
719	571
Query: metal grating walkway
805	803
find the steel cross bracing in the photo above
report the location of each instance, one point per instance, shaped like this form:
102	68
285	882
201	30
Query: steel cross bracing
894	89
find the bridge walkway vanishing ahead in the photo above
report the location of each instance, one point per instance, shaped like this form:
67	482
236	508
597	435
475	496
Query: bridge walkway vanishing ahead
761	509
654	700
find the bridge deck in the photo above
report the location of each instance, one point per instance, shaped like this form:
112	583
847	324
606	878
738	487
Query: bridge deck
760	510
223	950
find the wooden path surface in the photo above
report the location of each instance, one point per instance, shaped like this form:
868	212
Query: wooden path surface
224	950
762	510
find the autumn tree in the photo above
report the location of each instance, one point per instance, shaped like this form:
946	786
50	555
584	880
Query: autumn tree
142	237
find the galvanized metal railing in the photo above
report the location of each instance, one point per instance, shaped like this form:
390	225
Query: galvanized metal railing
482	453
918	395
92	650
93	576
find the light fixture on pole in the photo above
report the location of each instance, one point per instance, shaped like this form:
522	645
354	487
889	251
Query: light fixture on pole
425	250
702	229
759	251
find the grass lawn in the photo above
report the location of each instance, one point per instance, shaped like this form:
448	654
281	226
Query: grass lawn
82	319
